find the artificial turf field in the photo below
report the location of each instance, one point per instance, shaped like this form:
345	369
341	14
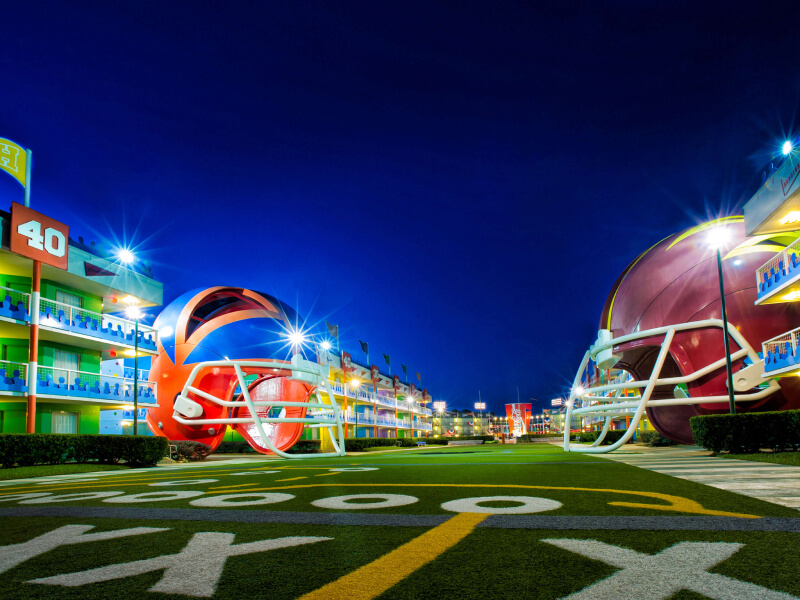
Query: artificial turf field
395	525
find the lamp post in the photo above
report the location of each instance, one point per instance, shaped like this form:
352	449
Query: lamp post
481	406
717	238
354	383
133	313
440	407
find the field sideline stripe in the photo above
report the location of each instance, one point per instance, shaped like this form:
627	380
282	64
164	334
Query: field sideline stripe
373	579
676	503
353	519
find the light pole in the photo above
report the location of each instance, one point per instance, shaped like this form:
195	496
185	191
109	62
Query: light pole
133	313
481	406
440	407
355	383
717	238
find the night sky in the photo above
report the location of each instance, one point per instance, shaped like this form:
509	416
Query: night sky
459	184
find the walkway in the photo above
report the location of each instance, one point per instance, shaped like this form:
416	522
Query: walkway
779	484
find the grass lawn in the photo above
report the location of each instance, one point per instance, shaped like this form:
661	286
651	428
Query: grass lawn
49	470
423	546
781	458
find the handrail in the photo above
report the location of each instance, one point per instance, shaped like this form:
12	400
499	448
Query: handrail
774	262
15	296
76	314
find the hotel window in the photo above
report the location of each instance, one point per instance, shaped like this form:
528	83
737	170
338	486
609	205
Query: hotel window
64	422
69	299
63	363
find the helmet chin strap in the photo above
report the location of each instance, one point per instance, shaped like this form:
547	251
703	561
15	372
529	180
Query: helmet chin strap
600	404
188	411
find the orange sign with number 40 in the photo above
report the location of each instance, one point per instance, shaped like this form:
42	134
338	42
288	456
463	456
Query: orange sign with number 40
39	237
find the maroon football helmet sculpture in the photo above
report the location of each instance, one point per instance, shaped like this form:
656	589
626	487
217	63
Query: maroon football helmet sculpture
661	337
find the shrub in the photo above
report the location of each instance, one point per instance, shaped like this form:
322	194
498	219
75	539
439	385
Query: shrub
190	451
306	447
747	432
28	449
590	437
530	437
438	441
653	438
237	447
358	444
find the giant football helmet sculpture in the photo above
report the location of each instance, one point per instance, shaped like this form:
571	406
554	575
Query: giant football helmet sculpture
660	346
234	357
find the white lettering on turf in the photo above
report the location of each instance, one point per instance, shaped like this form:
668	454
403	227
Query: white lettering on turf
240	499
379	501
683	566
11	556
194	571
528	504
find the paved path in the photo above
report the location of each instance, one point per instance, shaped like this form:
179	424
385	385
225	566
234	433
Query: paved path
779	484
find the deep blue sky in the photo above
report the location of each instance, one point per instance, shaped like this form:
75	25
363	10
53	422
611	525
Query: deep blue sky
457	183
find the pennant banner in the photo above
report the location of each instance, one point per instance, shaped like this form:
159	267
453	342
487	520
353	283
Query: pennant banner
388	359
333	330
13	160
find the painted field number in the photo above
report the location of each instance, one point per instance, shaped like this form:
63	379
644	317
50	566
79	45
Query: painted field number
52	241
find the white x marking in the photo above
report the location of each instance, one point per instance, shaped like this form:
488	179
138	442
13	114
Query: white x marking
683	566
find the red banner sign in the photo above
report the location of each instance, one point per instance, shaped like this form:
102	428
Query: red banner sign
518	417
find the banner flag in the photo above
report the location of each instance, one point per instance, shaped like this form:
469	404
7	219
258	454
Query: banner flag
388	359
405	368
364	347
419	378
14	160
333	330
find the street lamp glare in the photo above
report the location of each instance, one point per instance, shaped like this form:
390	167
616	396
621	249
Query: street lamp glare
355	383
296	338
133	312
125	256
326	345
718	237
786	148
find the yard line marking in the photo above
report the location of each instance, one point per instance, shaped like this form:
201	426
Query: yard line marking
291	479
228	487
676	503
373	579
326	474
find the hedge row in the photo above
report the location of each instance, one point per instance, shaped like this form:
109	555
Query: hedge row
590	437
653	438
28	449
529	437
748	432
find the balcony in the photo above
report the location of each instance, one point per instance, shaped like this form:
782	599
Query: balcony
67	383
778	280
780	354
63	317
58	317
15	306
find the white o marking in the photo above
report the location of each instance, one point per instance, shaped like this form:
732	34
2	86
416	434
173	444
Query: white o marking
345	469
183	482
227	500
154	497
23	496
382	501
72	497
254	473
529	504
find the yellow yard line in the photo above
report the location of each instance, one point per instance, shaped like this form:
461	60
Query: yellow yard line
375	578
325	474
290	479
230	487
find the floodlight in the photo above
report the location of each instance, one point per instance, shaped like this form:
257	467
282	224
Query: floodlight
787	147
718	237
125	256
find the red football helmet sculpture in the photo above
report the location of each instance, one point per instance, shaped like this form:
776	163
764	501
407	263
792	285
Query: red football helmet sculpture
661	335
235	357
